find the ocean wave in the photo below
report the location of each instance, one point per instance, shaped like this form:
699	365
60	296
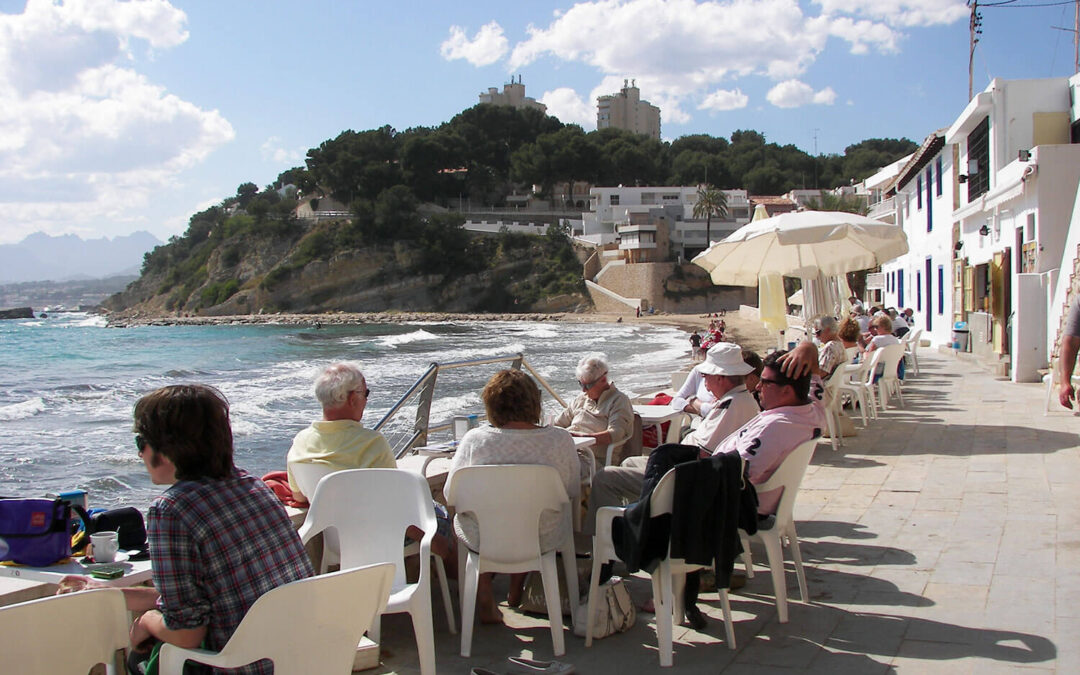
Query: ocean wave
29	324
91	322
21	411
406	338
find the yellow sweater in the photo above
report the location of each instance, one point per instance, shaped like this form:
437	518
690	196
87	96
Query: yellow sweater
341	444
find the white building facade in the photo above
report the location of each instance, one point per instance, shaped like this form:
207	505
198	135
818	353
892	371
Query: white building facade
988	207
612	207
626	110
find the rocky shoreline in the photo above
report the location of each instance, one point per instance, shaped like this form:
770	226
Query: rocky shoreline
328	319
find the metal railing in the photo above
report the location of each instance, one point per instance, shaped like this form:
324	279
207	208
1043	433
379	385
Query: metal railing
424	390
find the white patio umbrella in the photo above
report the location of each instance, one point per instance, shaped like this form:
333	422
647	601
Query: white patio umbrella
802	244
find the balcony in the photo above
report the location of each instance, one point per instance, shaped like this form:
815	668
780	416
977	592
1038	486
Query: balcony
885	210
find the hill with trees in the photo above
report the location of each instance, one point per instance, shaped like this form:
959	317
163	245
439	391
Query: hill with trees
401	245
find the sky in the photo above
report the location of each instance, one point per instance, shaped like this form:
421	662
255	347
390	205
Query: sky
117	116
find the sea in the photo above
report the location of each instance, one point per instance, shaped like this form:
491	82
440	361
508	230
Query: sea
68	384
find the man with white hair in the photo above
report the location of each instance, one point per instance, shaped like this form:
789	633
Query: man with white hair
724	371
600	411
339	439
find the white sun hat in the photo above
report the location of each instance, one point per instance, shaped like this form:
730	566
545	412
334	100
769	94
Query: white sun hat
724	358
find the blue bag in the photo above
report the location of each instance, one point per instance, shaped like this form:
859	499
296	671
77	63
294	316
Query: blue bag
37	532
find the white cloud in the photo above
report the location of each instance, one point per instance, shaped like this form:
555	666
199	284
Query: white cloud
272	151
687	50
83	135
904	13
793	93
570	108
485	48
721	100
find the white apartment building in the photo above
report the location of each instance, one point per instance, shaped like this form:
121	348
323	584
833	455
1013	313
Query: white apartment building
626	110
610	207
989	207
513	94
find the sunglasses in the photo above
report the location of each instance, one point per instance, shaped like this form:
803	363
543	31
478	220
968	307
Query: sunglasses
140	443
366	392
765	380
586	386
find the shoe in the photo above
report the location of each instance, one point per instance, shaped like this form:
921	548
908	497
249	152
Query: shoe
696	618
546	667
482	671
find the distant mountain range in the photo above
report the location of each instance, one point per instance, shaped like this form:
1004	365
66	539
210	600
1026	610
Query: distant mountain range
41	257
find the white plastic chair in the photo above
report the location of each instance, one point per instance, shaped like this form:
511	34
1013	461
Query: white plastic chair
788	476
507	501
308	475
889	382
911	349
860	384
668	581
64	633
836	404
371	509
307	626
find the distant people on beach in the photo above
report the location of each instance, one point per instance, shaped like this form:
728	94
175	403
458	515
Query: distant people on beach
512	403
600	410
695	346
218	537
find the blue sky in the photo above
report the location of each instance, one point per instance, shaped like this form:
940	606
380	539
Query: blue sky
118	116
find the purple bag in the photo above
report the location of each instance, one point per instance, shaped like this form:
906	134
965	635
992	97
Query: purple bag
37	532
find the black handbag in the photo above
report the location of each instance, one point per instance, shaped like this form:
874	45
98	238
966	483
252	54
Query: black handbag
126	521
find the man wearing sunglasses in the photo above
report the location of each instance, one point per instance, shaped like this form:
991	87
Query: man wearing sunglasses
600	411
339	439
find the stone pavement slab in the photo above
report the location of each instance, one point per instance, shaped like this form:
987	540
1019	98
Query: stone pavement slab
944	538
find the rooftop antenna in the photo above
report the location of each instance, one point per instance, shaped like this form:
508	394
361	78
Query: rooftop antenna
974	30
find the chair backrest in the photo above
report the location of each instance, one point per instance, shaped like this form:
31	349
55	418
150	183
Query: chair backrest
871	363
850	353
63	633
663	495
507	501
312	625
890	359
308	474
789	476
913	341
370	509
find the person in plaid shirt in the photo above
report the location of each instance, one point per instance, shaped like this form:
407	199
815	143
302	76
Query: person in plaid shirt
218	537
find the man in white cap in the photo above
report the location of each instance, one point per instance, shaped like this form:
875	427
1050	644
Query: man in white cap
724	371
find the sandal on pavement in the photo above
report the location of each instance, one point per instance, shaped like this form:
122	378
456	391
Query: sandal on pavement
546	667
482	671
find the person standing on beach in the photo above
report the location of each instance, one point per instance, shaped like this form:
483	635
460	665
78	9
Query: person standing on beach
218	537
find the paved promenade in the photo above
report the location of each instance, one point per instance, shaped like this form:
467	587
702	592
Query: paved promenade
945	538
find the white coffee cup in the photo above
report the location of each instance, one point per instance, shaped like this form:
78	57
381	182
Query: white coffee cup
105	546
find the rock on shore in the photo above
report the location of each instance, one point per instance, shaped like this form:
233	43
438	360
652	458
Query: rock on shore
17	313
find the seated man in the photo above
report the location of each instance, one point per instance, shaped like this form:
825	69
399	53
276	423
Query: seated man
218	537
724	371
339	440
600	411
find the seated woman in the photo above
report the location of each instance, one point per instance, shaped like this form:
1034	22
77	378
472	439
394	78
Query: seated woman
849	333
512	401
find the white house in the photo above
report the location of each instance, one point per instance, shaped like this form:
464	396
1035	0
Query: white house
987	205
610	207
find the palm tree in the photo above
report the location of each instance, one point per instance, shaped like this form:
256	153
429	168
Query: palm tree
710	202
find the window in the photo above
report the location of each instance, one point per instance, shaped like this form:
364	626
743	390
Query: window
613	200
938	169
978	170
940	290
918	192
900	289
929	202
918	291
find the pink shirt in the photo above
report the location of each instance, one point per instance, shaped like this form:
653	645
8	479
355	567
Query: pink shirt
772	435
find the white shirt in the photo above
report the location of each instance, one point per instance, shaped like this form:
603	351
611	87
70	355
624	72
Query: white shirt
735	409
694	387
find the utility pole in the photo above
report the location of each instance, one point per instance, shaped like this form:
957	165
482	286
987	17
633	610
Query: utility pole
1075	30
974	30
